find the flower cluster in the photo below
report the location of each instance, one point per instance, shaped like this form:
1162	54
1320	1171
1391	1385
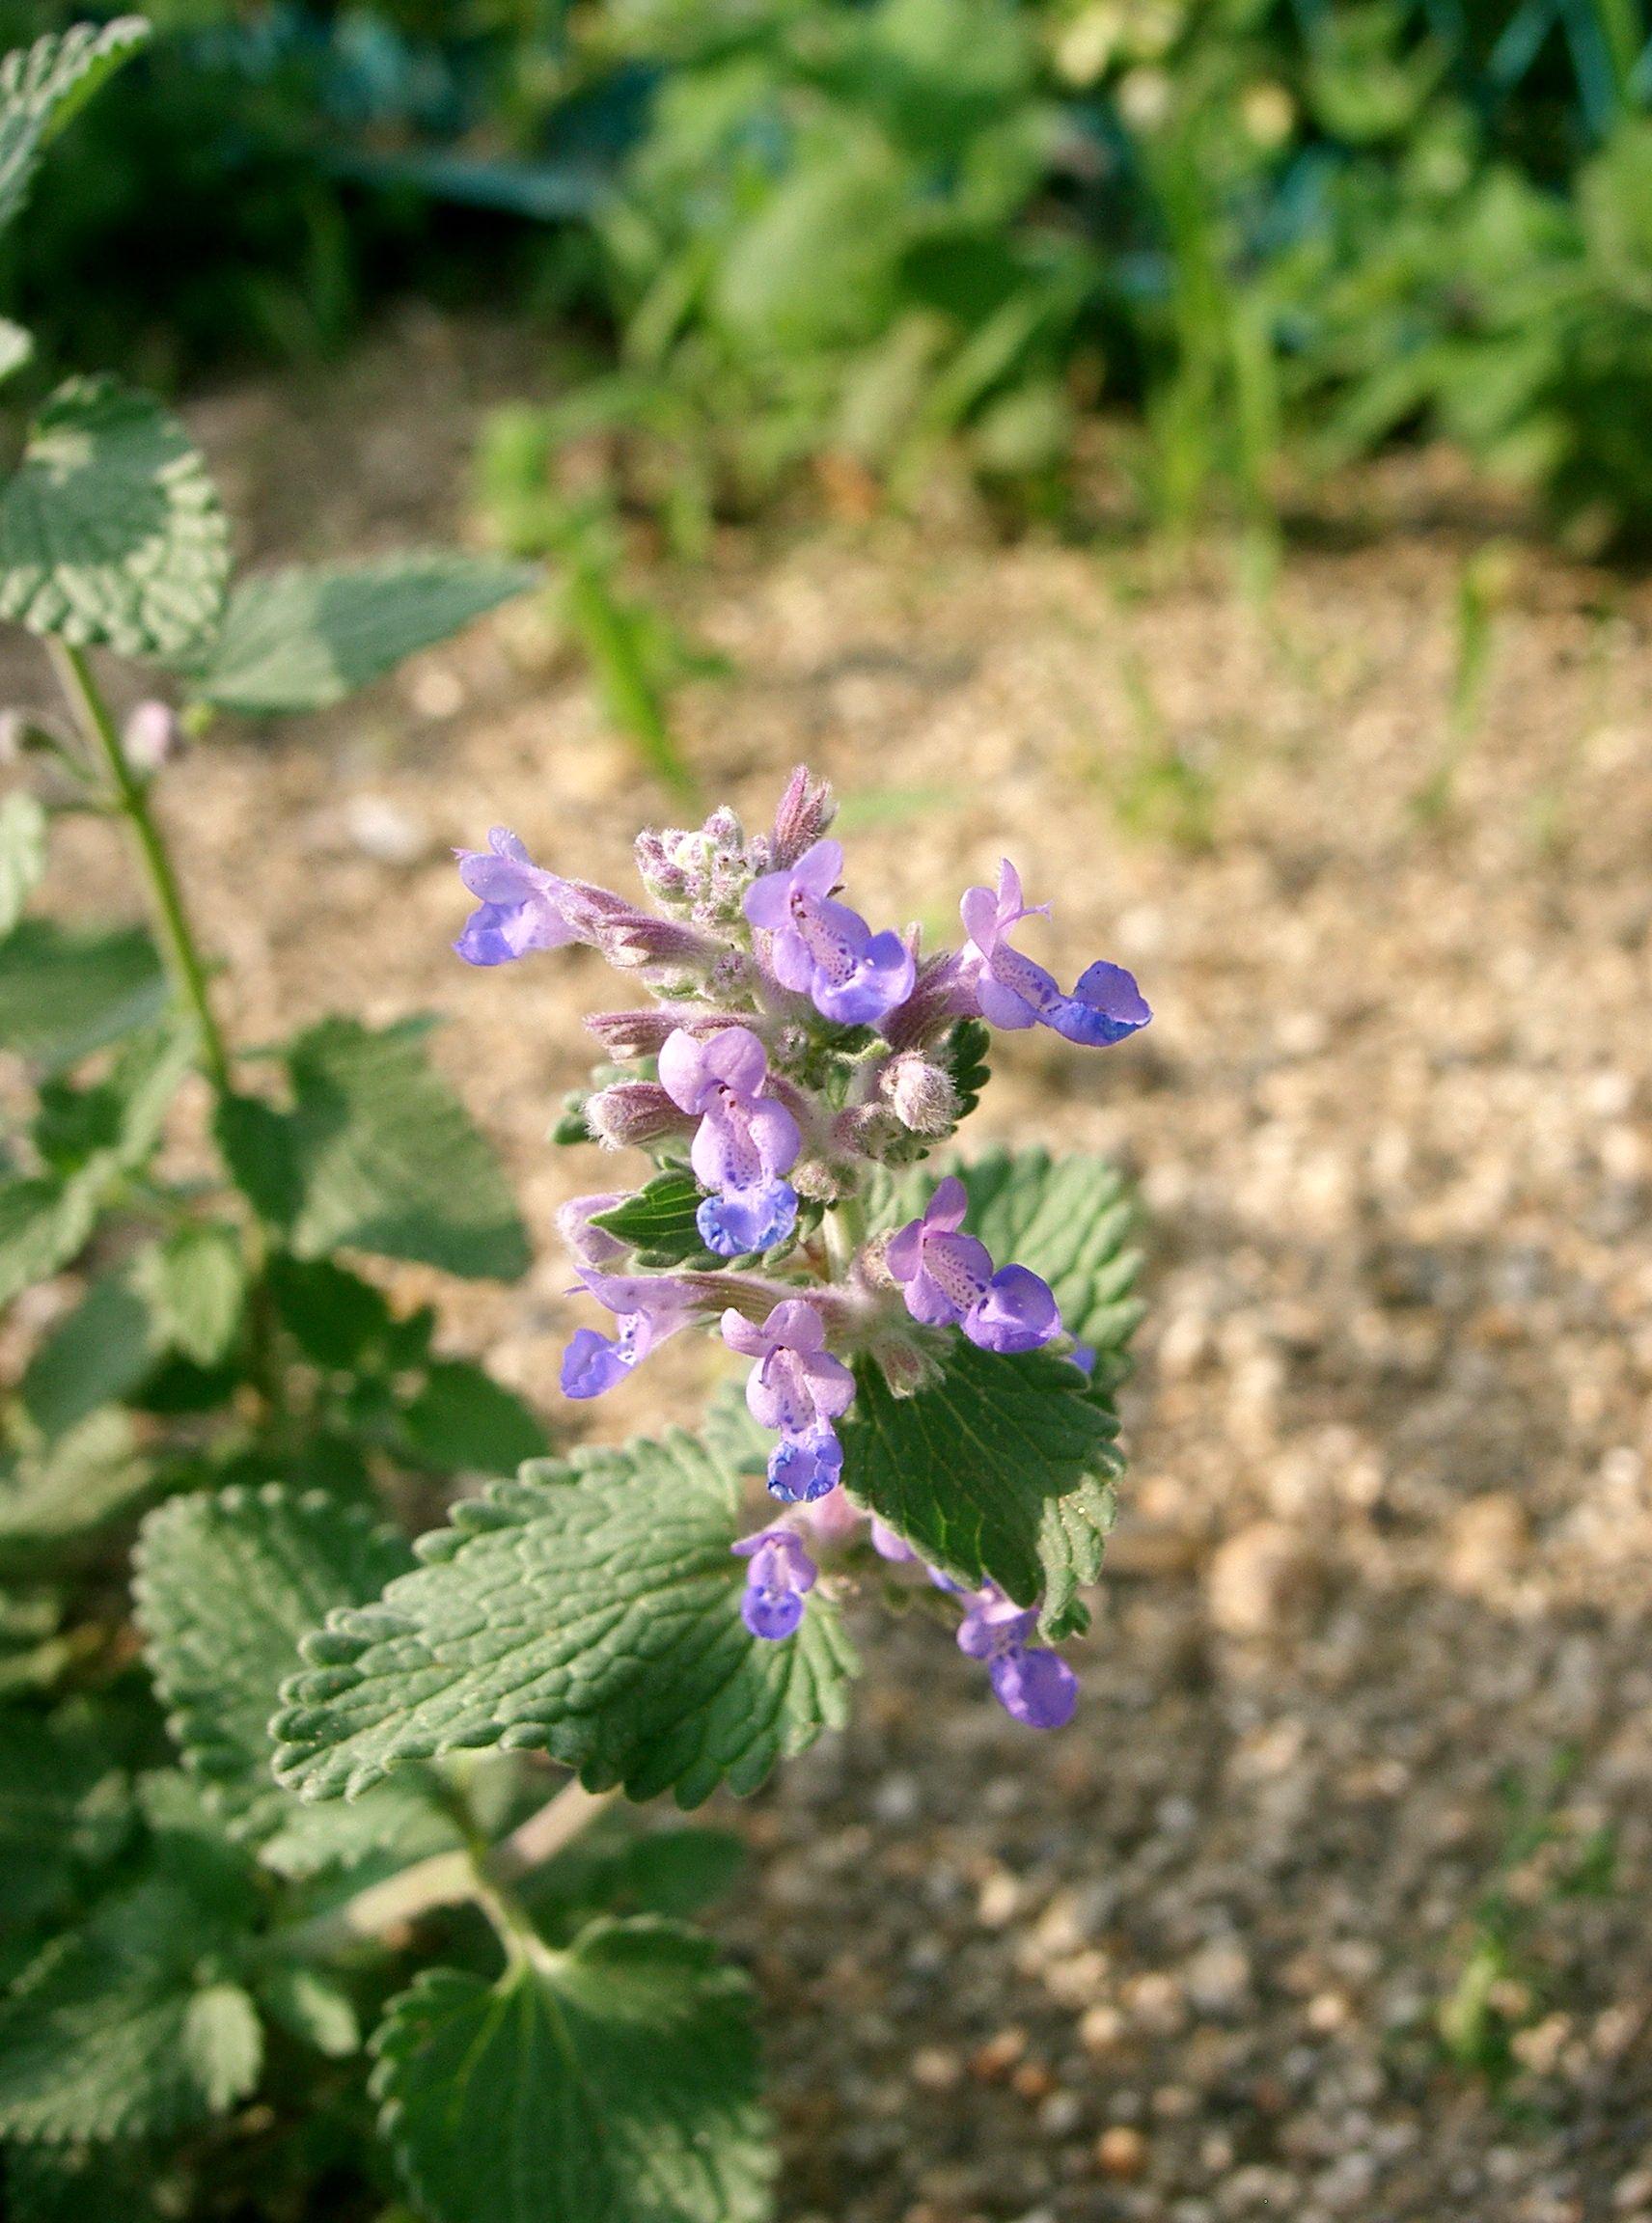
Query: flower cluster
790	1052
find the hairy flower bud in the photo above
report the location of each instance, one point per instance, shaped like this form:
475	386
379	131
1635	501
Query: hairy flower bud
632	1112
806	809
590	1245
942	995
659	870
655	947
632	1033
923	1097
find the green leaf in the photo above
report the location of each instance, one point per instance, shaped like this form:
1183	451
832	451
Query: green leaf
104	1349
63	1807
94	2037
591	1609
67	991
377	1154
313	2006
23	852
87	1478
16	347
616	2081
613	1868
303	638
223	2044
225	1586
42	86
43	1224
997	1472
465	1421
197	1283
110	527
658	1223
333	1316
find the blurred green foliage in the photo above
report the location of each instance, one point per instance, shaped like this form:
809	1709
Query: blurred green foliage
853	236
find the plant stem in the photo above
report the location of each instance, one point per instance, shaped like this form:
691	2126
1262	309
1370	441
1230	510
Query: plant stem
449	1879
130	798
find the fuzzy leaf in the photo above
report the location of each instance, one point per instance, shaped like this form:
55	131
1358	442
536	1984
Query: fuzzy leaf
313	2005
463	1420
88	1477
22	852
223	2044
591	1609
93	1356
95	2039
997	1470
42	86
616	2081
110	527
61	1805
302	638
377	1154
659	1223
65	992
196	1283
225	1586
44	1222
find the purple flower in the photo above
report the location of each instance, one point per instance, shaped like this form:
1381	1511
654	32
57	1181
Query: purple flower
590	1245
823	950
780	1573
650	1307
1035	1684
889	1546
947	1278
522	907
1012	991
799	1389
744	1142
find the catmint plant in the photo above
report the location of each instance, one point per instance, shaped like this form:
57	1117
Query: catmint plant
321	1890
805	1055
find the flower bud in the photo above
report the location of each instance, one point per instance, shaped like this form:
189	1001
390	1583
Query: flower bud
590	1245
806	809
150	737
923	1097
634	1111
660	870
631	1033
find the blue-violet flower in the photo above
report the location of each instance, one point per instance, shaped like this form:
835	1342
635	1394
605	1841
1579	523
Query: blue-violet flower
744	1142
779	1575
522	906
799	1389
1035	1684
650	1307
823	950
1014	991
948	1276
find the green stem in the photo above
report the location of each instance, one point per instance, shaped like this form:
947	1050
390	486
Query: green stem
130	798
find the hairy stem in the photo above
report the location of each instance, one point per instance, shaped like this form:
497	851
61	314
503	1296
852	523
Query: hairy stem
451	1878
129	794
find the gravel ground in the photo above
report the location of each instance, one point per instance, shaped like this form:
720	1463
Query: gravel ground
1386	1545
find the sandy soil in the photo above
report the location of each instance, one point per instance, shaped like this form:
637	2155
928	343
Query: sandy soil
1387	1540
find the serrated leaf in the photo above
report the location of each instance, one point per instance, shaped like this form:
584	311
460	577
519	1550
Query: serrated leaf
300	640
93	1356
613	1868
224	1587
85	1479
395	1824
465	1421
93	2038
196	1283
110	527
67	991
658	1223
22	848
614	2080
591	1609
223	2044
333	1316
42	86
989	1473
377	1154
313	2006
